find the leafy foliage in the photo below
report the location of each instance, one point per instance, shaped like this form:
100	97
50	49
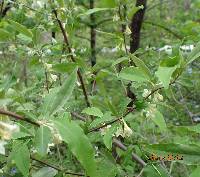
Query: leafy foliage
74	101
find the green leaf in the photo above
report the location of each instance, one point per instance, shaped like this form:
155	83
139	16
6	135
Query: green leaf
94	10
106	118
93	111
4	35
107	138
164	75
139	63
191	149
119	60
154	171
108	3
78	143
194	54
21	156
21	28
45	171
64	67
134	74
195	173
159	120
56	100
106	165
42	139
18	135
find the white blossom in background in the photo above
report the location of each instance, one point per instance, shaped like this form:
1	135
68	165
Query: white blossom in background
104	129
145	93
12	48
7	130
167	49
157	97
73	52
2	148
53	77
47	66
116	18
124	131
48	51
38	4
187	48
83	50
128	30
127	130
150	112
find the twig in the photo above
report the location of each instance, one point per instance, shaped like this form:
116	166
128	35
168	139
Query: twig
18	117
165	28
135	157
71	56
78	116
47	82
55	167
110	122
159	88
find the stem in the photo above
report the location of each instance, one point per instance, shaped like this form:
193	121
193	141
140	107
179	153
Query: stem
55	167
72	57
111	122
165	28
124	148
47	82
18	117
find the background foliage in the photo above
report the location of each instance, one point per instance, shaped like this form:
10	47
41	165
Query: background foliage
66	75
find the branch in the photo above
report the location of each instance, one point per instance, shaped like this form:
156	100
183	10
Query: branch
111	122
71	56
18	117
159	88
165	28
55	167
135	157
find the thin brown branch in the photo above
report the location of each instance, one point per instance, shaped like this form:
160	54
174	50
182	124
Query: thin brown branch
161	87
111	122
72	56
135	157
18	117
78	116
56	168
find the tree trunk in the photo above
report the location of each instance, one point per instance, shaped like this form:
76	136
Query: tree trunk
92	35
136	25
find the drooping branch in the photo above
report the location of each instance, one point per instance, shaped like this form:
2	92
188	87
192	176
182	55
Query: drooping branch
164	28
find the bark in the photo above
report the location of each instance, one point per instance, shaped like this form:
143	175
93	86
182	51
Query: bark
6	9
187	4
92	35
136	25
